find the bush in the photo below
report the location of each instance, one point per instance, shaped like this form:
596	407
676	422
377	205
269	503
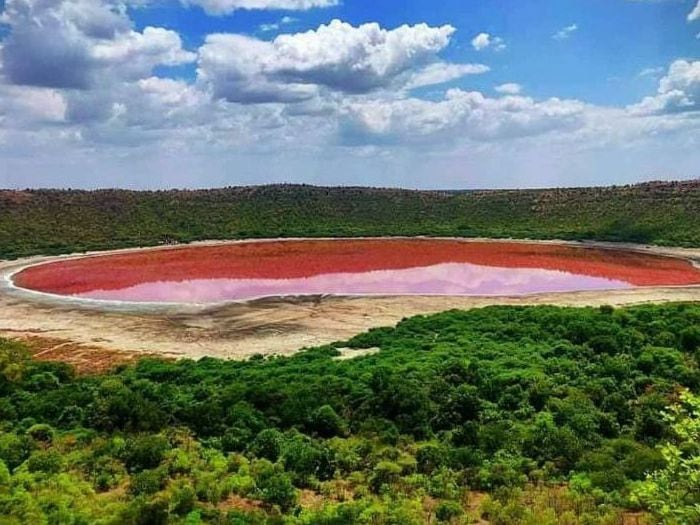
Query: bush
41	432
267	444
384	473
327	423
273	486
147	482
145	452
46	461
690	339
447	511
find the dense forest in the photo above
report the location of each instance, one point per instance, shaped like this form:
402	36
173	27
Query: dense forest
503	415
53	221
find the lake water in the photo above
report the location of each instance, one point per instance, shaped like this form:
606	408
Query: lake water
243	271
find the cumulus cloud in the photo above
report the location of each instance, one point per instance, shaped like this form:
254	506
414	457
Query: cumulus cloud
233	67
142	51
29	106
695	13
565	32
442	72
509	88
220	7
70	43
461	114
78	83
484	41
678	92
152	102
338	57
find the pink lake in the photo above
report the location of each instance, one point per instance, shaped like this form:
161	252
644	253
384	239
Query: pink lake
440	279
244	271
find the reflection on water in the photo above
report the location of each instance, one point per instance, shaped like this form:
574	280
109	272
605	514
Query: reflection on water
240	271
439	279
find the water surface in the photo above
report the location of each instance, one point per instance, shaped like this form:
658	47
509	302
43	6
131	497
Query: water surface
242	271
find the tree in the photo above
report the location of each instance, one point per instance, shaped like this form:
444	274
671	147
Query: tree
145	452
305	459
13	359
14	449
430	458
273	485
267	444
673	492
327	423
47	461
41	432
690	339
384	473
446	511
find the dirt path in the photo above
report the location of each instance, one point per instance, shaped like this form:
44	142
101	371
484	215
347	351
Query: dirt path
274	326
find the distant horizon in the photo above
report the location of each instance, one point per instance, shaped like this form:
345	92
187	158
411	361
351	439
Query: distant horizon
351	186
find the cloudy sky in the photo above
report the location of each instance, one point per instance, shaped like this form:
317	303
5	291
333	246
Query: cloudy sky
412	93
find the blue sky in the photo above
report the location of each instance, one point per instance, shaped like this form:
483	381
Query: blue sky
600	63
225	92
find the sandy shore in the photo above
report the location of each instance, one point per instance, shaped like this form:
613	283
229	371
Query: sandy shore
271	326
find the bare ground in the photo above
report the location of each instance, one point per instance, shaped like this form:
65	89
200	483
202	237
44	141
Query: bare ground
95	338
85	359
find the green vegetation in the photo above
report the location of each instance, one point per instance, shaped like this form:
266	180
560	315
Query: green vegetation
674	491
51	221
518	415
509	415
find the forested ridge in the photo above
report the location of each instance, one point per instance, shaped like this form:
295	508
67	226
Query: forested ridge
56	221
508	415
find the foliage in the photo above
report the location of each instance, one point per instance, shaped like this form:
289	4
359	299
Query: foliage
516	415
53	221
673	492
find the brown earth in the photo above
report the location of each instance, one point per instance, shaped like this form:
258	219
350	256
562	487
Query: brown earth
95	338
85	359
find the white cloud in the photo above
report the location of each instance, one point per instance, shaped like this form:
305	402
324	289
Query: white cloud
170	95
460	114
481	41
565	32
219	7
285	20
442	72
338	57
25	105
484	41
679	91
695	13
74	43
510	88
78	95
140	52
651	72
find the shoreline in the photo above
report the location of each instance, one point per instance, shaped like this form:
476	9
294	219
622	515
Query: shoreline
278	325
10	268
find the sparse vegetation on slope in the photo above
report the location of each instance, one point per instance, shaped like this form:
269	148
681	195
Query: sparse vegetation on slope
515	415
51	221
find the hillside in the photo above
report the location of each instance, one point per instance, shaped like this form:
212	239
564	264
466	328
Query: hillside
514	415
57	221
